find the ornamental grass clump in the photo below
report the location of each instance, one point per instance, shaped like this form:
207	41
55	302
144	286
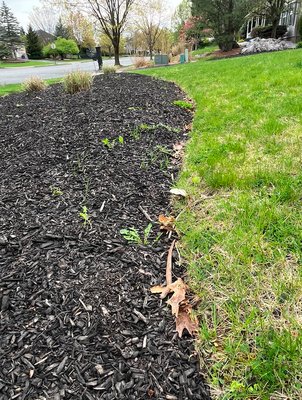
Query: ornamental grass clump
109	70
77	81
34	84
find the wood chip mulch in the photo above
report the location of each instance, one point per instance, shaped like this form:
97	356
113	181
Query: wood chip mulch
78	320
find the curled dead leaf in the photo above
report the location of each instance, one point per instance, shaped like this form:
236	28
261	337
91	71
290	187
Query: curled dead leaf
185	320
178	288
167	223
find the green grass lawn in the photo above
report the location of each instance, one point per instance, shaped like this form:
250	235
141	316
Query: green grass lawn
26	64
17	87
242	222
208	49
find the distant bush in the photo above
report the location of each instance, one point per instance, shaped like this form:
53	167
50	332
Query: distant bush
141	62
77	81
299	45
109	70
265	32
34	84
62	48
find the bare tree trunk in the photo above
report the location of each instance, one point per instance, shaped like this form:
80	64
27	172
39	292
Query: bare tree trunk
274	28
116	47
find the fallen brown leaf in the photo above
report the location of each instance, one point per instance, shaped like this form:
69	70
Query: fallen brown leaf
179	293
185	320
167	223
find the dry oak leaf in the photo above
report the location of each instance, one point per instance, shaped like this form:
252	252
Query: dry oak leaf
184	320
167	223
179	294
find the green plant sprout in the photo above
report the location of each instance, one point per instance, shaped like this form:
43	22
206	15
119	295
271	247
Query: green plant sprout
85	216
159	153
109	144
56	191
134	108
132	235
136	133
121	139
183	104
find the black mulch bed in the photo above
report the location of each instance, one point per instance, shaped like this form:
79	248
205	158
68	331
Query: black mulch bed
77	317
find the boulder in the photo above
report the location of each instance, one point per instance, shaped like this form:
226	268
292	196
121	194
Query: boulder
259	45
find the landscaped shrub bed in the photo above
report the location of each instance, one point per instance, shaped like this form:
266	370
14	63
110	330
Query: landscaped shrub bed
78	320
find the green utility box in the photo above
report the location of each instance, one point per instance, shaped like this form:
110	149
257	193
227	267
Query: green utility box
182	58
161	59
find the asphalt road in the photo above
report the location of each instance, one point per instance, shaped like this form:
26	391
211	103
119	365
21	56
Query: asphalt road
18	75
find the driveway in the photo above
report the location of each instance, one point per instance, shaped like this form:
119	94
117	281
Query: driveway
18	75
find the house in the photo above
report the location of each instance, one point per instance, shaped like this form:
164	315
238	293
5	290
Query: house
290	18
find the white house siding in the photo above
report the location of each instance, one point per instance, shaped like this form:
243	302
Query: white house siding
290	18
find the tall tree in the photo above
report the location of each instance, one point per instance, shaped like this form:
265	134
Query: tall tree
80	29
111	14
61	30
9	29
150	19
181	15
33	44
225	17
273	10
44	18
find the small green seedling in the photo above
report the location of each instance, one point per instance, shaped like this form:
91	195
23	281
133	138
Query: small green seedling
121	139
183	104
109	144
147	232
56	191
134	108
85	216
132	235
136	133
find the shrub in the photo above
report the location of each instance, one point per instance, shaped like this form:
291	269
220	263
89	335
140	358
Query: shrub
141	62
109	70
299	45
265	32
77	81
34	84
62	48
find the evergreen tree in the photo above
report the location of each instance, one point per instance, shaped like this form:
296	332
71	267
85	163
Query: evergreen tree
9	29
225	17
4	51
33	45
61	30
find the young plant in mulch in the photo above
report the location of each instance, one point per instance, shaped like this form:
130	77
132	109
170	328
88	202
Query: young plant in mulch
132	235
56	191
136	133
84	215
111	143
159	154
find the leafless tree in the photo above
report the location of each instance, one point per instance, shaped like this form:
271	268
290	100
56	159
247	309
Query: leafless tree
151	17
112	16
44	18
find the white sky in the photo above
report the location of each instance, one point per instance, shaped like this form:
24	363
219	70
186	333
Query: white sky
22	8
